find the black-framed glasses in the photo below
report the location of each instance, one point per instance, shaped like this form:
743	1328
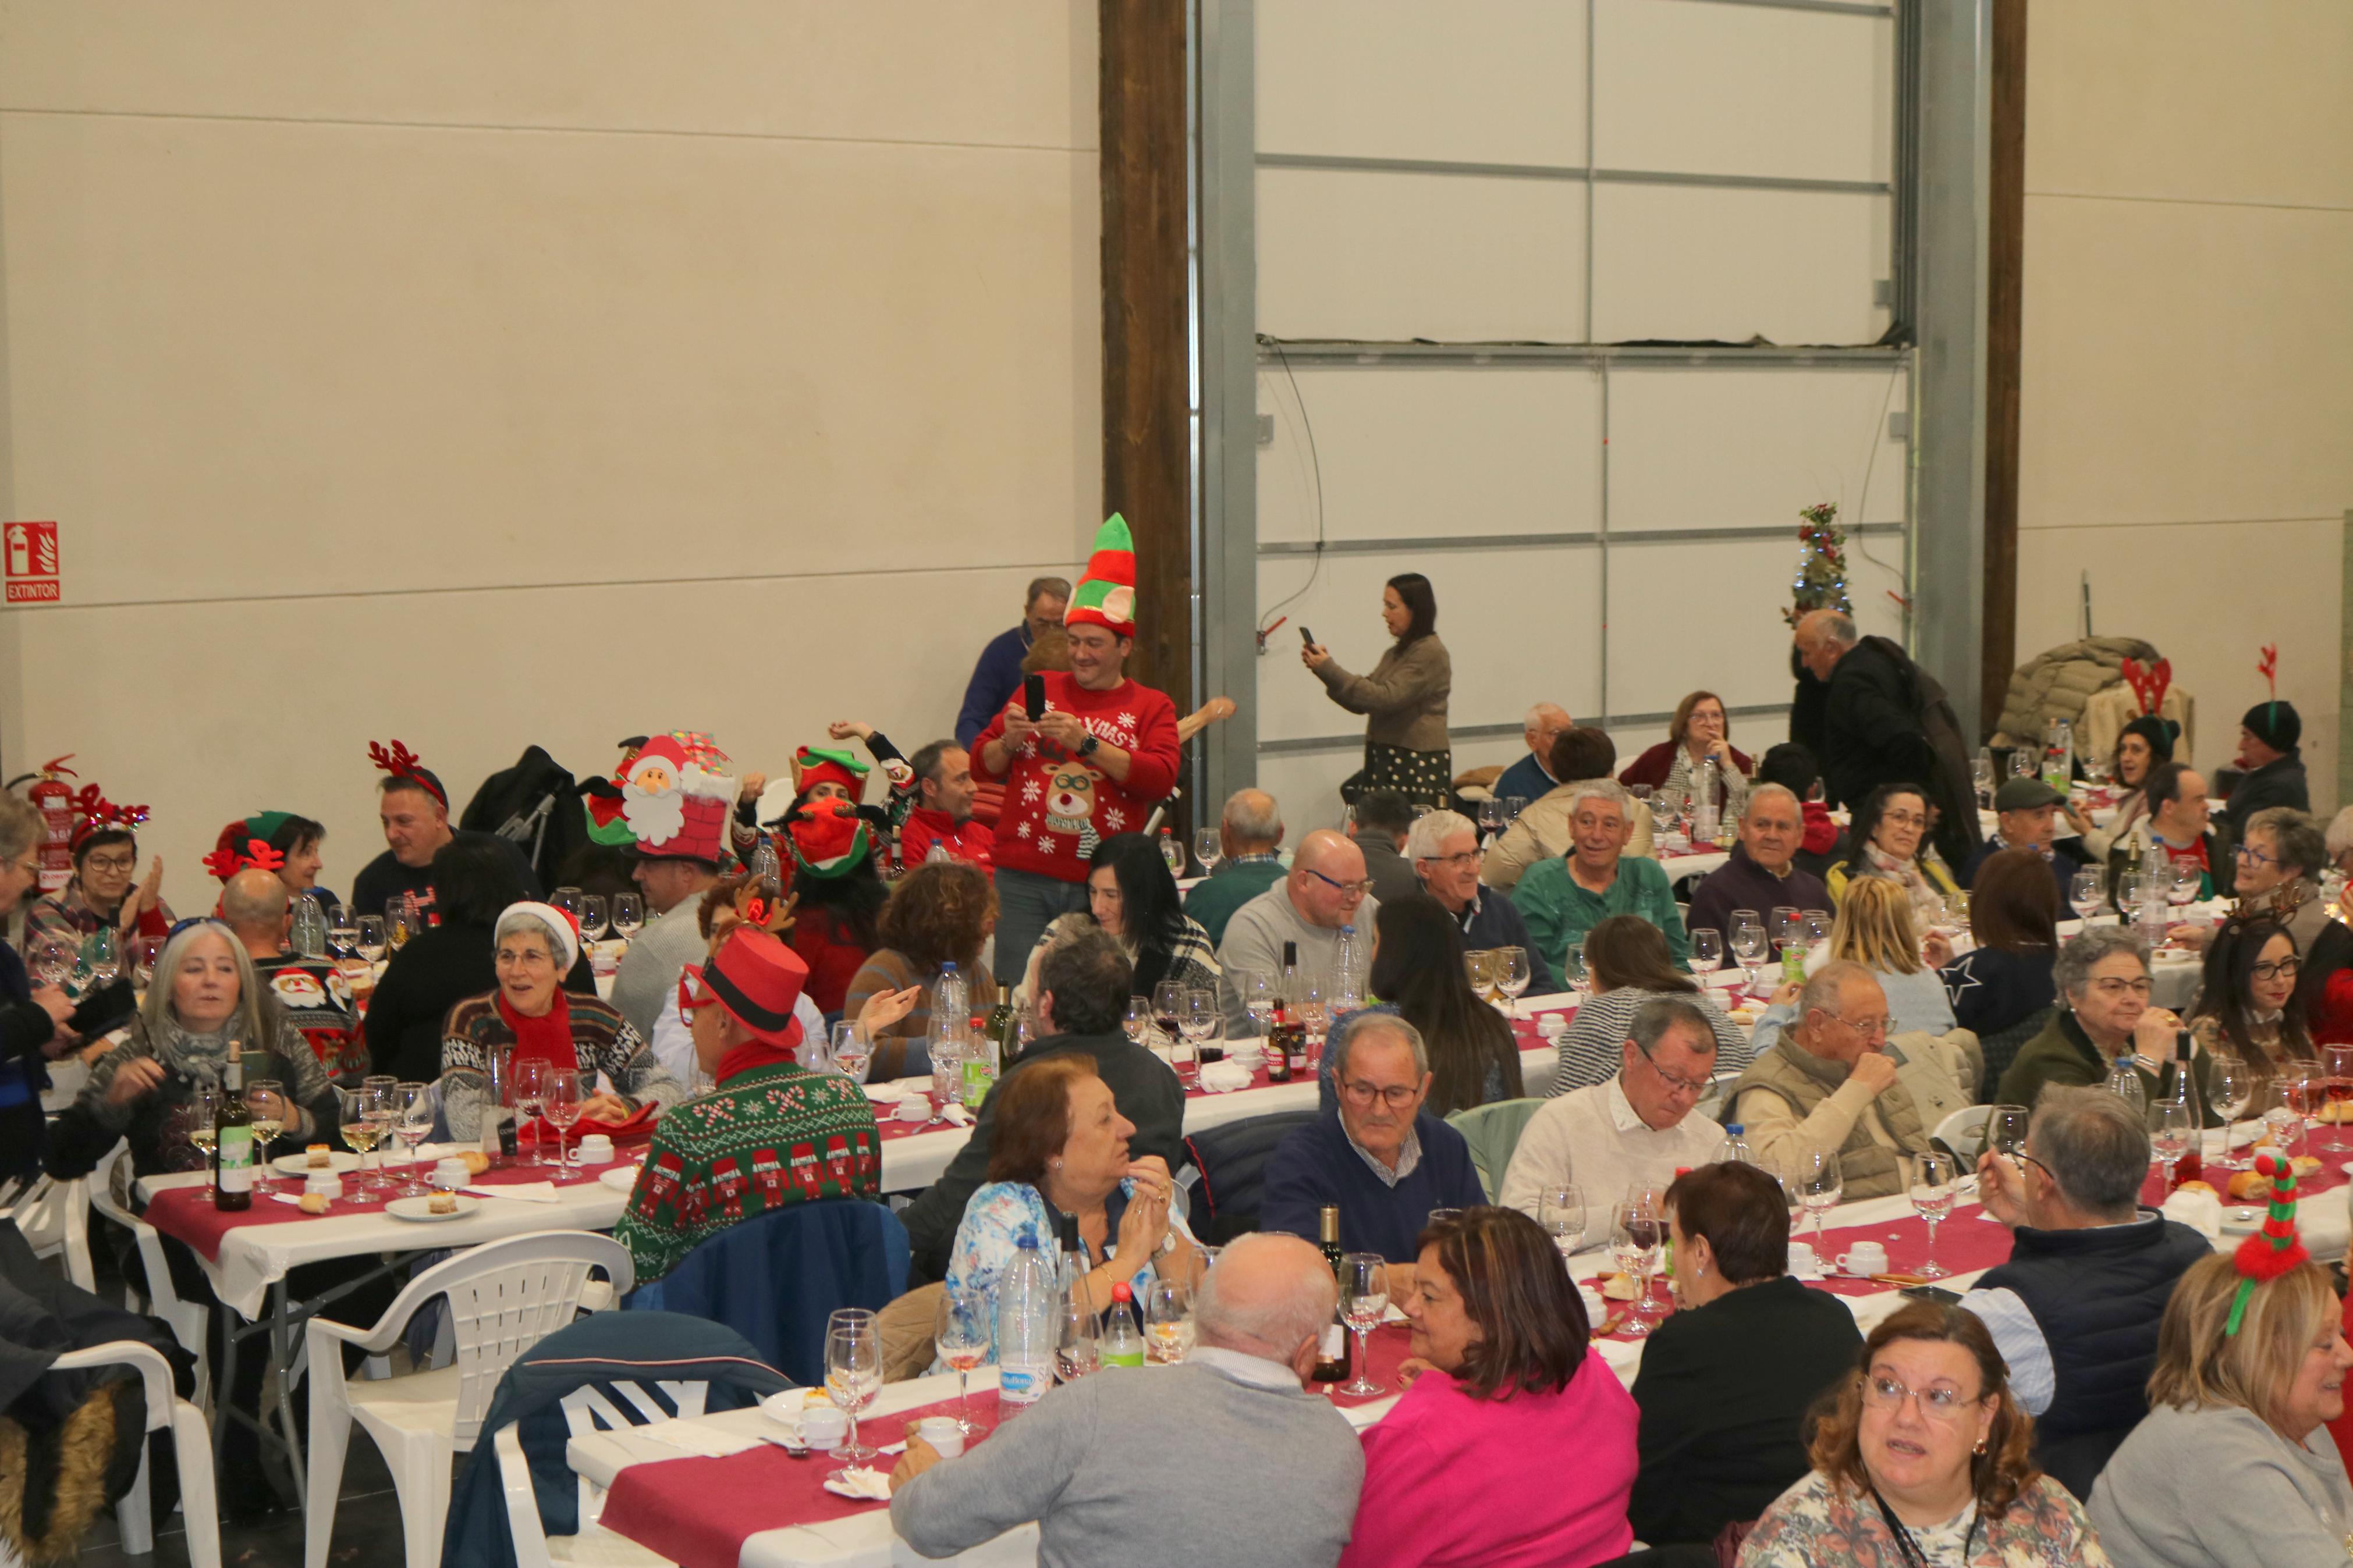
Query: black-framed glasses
2278	969
1396	1096
1672	1079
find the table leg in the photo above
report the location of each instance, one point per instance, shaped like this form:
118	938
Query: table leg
282	1359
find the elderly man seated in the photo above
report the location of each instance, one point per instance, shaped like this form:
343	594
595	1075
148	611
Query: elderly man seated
1763	873
1377	1154
1531	778
2026	812
1444	848
1542	831
2075	1311
1324	890
258	910
2268	751
1828	1078
2104	1014
1250	834
1230	1458
1640	1126
1563	899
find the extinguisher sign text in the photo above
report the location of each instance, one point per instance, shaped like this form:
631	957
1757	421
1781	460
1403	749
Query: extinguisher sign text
30	553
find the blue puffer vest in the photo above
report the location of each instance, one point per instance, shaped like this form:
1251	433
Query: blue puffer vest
2097	1296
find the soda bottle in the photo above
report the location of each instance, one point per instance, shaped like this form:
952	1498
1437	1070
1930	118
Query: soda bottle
1123	1341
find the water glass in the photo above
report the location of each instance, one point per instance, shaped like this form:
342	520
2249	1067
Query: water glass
1256	987
1821	1185
1481	967
1748	943
370	938
592	917
2230	1090
1560	1210
531	1074
1512	974
1364	1298
203	1119
1137	1018
412	1124
852	1054
53	962
2086	892
561	1099
1935	1181
1198	1017
1513	805
1706	950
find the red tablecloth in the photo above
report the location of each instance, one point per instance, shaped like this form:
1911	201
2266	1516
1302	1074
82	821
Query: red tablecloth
1385	1347
891	1127
698	1513
1966	1242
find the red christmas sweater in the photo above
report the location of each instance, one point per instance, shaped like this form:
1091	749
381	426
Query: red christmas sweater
1056	806
973	842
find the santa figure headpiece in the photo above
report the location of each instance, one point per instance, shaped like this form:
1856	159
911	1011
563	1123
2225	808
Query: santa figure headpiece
676	792
1105	595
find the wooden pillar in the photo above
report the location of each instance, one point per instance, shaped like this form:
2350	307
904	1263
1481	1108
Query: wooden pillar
2005	260
1146	439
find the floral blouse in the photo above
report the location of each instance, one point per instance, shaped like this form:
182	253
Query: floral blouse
999	1213
1819	1521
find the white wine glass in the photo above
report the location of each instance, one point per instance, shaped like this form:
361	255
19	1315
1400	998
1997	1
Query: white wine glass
360	1133
853	1376
628	915
1363	1297
1208	849
1935	1178
265	1100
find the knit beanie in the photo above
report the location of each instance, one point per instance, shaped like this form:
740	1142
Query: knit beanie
2158	732
1105	595
2275	724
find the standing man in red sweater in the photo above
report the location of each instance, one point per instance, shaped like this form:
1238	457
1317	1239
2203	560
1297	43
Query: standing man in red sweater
1101	755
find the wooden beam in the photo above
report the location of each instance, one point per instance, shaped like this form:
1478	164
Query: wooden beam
1146	430
2005	280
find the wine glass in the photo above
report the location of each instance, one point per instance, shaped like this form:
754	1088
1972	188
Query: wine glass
2085	892
204	1122
401	920
1168	1321
2336	1061
1573	973
1197	1019
961	1336
853	1376
2182	883
2005	1131
1814	925
1512	975
1634	1239
2022	760
592	916
1981	773
2173	1133
1314	1005
1788	928
2230	1090
1491	819
628	915
368	937
1078	1346
343	931
53	962
103	955
1481	967
1167	1002
531	1074
2282	1102
1513	805
1706	950
2128	891
1934	1176
145	952
853	1055
566	899
561	1102
264	1098
1137	1017
382	1110
412	1124
1363	1297
360	1133
1257	989
1560	1210
1821	1185
1208	849
1748	944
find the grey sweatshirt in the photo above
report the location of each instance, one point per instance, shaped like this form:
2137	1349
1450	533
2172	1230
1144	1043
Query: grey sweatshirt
1224	1459
2218	1488
1254	939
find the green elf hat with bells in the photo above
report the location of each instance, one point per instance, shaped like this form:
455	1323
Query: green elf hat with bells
1105	595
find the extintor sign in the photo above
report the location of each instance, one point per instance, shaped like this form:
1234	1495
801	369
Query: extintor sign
30	552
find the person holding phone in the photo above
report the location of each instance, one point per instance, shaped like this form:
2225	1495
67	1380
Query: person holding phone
1404	697
1097	760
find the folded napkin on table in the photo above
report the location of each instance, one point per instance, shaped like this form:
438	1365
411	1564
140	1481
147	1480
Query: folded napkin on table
861	1481
884	1093
956	1115
523	1192
1224	1077
2201	1211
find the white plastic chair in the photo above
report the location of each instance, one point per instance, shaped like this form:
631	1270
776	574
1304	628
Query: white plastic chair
1964	1132
189	1319
594	1547
191	1447
504	1297
54	1217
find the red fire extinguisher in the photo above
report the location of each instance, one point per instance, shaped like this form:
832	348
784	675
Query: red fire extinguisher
54	801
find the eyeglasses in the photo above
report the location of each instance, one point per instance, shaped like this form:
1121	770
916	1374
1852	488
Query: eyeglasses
1906	818
2112	988
2255	857
688	980
109	862
1396	1096
1467	858
1947	1405
1674	1080
2279	969
1346	889
1868	1027
523	958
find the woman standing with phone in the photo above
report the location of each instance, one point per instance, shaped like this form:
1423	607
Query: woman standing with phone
1404	697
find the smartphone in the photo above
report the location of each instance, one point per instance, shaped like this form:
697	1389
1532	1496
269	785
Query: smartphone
1306	637
1930	1293
1033	697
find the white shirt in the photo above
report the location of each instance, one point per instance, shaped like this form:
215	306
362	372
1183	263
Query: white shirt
1596	1139
674	1038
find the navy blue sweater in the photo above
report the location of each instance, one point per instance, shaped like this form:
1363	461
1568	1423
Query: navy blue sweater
995	679
1317	1165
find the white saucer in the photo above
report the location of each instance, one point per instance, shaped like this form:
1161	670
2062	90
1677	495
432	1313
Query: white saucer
416	1209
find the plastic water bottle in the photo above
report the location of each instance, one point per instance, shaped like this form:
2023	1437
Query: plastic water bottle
309	935
1123	1341
937	855
1732	1149
1348	984
1028	1321
1703	807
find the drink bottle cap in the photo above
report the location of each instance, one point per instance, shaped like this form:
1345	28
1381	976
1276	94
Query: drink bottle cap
1120	1292
1733	1129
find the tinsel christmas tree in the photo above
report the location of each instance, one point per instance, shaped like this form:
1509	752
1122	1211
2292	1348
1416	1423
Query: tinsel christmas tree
1820	583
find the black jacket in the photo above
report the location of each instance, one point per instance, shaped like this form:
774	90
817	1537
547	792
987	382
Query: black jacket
438	969
2280	783
384	878
1888	722
1723	1427
25	1028
1142	1086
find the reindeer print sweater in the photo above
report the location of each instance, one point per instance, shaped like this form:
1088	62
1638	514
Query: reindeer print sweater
1059	806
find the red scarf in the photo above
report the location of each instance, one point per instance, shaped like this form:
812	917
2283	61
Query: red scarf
549	1037
749	1054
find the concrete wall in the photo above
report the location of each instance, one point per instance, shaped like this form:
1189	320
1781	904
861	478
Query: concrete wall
489	371
2188	402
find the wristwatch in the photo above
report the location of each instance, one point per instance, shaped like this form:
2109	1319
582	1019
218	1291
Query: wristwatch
1087	747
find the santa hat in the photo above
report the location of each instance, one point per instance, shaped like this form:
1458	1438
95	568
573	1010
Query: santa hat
1106	593
245	842
812	767
697	771
93	813
2273	1249
406	767
758	979
828	838
564	931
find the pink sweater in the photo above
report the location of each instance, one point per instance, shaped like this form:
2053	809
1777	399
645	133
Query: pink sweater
1536	1480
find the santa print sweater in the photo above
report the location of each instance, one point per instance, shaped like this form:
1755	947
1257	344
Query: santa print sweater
1058	807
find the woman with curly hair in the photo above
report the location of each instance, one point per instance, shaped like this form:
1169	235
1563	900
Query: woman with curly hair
1923	1460
940	913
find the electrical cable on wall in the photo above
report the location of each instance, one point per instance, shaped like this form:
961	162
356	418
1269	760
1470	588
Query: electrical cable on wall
1862	501
1270	618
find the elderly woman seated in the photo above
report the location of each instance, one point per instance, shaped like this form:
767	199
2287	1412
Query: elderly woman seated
1923	1459
1502	1368
2230	1467
2104	1015
1060	1175
1723	1428
531	1015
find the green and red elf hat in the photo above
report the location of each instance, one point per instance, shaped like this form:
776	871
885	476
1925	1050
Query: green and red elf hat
1105	595
812	767
2275	1248
828	838
245	842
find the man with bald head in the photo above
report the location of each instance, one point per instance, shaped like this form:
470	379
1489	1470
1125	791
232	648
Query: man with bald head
1871	732
258	910
1092	1462
1249	833
1531	778
1326	892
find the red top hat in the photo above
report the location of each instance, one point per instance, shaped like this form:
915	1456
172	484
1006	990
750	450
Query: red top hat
757	979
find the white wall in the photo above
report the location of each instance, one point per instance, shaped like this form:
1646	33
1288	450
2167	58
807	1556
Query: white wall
2187	399
539	371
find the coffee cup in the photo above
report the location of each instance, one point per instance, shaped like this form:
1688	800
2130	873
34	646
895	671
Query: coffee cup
1597	1310
1802	1263
914	1107
1864	1258
449	1175
825	1427
596	1149
942	1433
325	1182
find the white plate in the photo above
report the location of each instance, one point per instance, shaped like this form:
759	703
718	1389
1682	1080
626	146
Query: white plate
620	1178
299	1165
2241	1219
416	1209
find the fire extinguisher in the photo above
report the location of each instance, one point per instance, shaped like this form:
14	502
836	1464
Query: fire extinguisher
54	801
